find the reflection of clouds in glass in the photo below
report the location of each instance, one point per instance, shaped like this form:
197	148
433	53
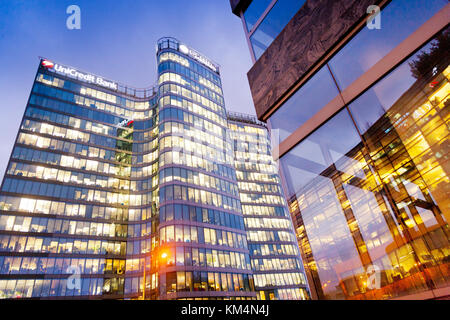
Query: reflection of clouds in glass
392	87
348	165
427	217
369	46
414	190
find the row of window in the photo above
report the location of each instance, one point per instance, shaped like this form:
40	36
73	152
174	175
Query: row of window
53	158
248	133
261	198
182	65
176	157
197	214
261	210
274	264
51	266
62	226
200	89
186	67
53	80
200	129
206	258
267	222
186	106
192	234
172	129
76	99
71	134
197	178
175	77
60	245
185	145
75	148
279	279
260	235
259	249
78	193
9	203
195	195
95	103
257	176
250	149
259	187
76	123
283	294
36	171
74	246
199	104
208	281
51	288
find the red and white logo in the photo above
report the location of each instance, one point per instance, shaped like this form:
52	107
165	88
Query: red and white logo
47	64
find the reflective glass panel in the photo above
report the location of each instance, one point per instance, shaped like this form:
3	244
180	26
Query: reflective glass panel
370	45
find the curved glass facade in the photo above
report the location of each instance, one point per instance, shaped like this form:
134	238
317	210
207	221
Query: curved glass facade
274	253
110	190
201	254
372	207
79	196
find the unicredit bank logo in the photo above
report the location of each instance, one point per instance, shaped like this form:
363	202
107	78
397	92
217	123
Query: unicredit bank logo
73	73
126	123
47	64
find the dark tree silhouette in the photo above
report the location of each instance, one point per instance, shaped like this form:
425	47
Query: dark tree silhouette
436	57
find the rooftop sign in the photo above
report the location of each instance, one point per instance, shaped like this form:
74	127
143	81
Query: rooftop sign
82	76
199	57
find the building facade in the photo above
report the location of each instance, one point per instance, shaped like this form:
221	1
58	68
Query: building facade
274	256
357	92
113	192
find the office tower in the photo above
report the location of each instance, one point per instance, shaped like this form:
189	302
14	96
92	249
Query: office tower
357	92
276	264
112	189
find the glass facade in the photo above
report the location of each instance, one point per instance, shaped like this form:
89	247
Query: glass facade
371	208
265	19
128	193
203	247
364	148
80	194
274	255
352	61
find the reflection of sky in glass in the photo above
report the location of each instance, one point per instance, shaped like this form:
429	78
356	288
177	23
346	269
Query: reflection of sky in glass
427	217
254	12
277	18
373	104
371	221
310	98
398	20
328	234
320	150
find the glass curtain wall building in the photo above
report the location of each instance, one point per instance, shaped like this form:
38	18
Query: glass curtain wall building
113	192
203	245
364	143
274	255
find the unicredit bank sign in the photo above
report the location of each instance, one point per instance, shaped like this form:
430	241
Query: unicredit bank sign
73	73
197	56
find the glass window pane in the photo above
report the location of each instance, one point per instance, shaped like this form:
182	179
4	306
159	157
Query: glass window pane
369	46
303	104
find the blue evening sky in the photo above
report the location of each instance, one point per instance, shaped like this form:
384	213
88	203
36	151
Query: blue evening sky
117	40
